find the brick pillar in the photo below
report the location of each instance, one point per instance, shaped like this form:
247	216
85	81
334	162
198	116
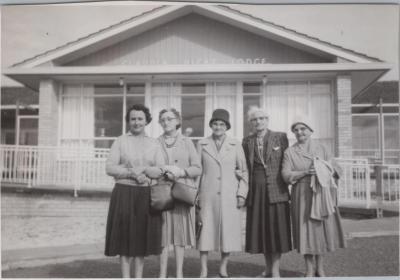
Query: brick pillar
48	113
343	121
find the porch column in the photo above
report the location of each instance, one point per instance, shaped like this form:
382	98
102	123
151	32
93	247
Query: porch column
48	113
343	120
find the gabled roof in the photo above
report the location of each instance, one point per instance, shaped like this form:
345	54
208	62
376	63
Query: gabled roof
163	14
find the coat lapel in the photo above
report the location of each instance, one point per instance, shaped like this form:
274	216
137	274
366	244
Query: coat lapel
268	141
211	149
227	147
251	144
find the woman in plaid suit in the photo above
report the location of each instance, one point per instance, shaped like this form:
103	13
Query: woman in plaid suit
268	212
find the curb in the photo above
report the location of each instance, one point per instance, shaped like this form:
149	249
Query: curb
351	235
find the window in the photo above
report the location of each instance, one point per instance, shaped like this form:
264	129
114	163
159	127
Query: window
251	97
93	116
193	109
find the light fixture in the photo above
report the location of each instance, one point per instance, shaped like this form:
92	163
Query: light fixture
121	81
264	80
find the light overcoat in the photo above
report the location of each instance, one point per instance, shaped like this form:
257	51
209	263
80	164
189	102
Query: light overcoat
219	188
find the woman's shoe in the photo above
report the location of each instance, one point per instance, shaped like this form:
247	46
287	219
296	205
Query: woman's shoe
264	275
222	276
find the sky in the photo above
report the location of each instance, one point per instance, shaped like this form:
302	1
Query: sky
27	30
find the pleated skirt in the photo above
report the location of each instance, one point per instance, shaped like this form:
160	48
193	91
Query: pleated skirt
178	226
313	236
131	229
267	224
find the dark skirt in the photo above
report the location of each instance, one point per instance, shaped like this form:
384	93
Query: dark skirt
267	224
131	229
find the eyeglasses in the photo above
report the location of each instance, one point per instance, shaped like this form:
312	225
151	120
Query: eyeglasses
303	128
166	120
259	118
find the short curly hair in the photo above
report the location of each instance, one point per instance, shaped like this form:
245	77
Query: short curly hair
139	107
175	112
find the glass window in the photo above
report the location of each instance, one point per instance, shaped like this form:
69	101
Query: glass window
108	89
193	109
365	136
103	143
8	126
135	89
251	97
25	96
28	131
108	116
391	133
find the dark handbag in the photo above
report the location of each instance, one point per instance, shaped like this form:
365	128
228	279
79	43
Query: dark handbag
199	221
161	196
184	193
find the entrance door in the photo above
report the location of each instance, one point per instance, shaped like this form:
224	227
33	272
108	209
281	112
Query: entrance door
27	130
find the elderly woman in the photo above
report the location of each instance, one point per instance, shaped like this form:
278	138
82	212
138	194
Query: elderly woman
315	216
132	232
268	210
223	191
181	164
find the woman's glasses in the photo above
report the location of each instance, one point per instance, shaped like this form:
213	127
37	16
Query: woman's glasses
164	120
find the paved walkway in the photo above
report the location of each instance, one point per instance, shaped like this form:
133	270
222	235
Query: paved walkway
39	230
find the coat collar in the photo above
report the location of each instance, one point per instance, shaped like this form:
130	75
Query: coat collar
209	146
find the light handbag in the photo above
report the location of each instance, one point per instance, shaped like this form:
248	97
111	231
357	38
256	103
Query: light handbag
161	196
184	193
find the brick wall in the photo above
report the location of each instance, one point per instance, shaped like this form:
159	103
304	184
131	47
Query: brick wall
48	113
343	120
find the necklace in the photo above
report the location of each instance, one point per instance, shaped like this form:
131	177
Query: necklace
171	144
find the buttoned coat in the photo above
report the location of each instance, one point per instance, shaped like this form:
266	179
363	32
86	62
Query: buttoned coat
219	188
275	143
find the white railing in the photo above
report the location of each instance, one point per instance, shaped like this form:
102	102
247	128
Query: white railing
78	169
391	183
84	169
354	186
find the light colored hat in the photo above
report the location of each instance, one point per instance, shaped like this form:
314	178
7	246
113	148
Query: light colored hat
300	120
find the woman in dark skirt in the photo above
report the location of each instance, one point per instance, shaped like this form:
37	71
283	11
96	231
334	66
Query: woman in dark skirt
268	212
132	232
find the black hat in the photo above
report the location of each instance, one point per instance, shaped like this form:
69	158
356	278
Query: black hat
220	115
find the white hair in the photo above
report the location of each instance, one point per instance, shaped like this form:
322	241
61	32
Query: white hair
255	109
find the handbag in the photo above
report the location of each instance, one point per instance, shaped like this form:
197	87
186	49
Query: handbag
184	193
161	196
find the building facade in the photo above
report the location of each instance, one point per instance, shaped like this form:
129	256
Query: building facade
196	59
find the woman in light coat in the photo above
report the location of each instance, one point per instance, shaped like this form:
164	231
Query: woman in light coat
316	222
223	190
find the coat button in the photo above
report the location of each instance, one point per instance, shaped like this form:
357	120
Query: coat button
219	178
218	192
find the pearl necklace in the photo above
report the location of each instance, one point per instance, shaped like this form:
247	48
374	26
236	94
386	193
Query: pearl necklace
170	137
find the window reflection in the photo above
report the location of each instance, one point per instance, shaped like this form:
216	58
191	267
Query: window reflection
251	97
193	109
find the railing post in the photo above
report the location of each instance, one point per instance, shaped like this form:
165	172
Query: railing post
379	191
30	151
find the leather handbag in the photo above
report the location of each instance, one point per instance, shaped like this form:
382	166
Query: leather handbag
161	196
184	193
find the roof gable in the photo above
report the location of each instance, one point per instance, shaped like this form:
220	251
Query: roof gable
161	15
196	39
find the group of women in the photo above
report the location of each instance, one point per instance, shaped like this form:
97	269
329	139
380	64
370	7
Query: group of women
220	168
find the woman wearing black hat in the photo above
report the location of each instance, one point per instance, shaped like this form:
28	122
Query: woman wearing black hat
223	191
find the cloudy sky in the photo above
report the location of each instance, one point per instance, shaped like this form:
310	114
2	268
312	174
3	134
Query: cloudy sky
28	30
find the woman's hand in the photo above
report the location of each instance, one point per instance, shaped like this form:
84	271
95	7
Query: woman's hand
174	170
311	171
142	179
153	172
240	202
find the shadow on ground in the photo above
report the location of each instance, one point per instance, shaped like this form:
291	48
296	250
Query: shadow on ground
375	256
